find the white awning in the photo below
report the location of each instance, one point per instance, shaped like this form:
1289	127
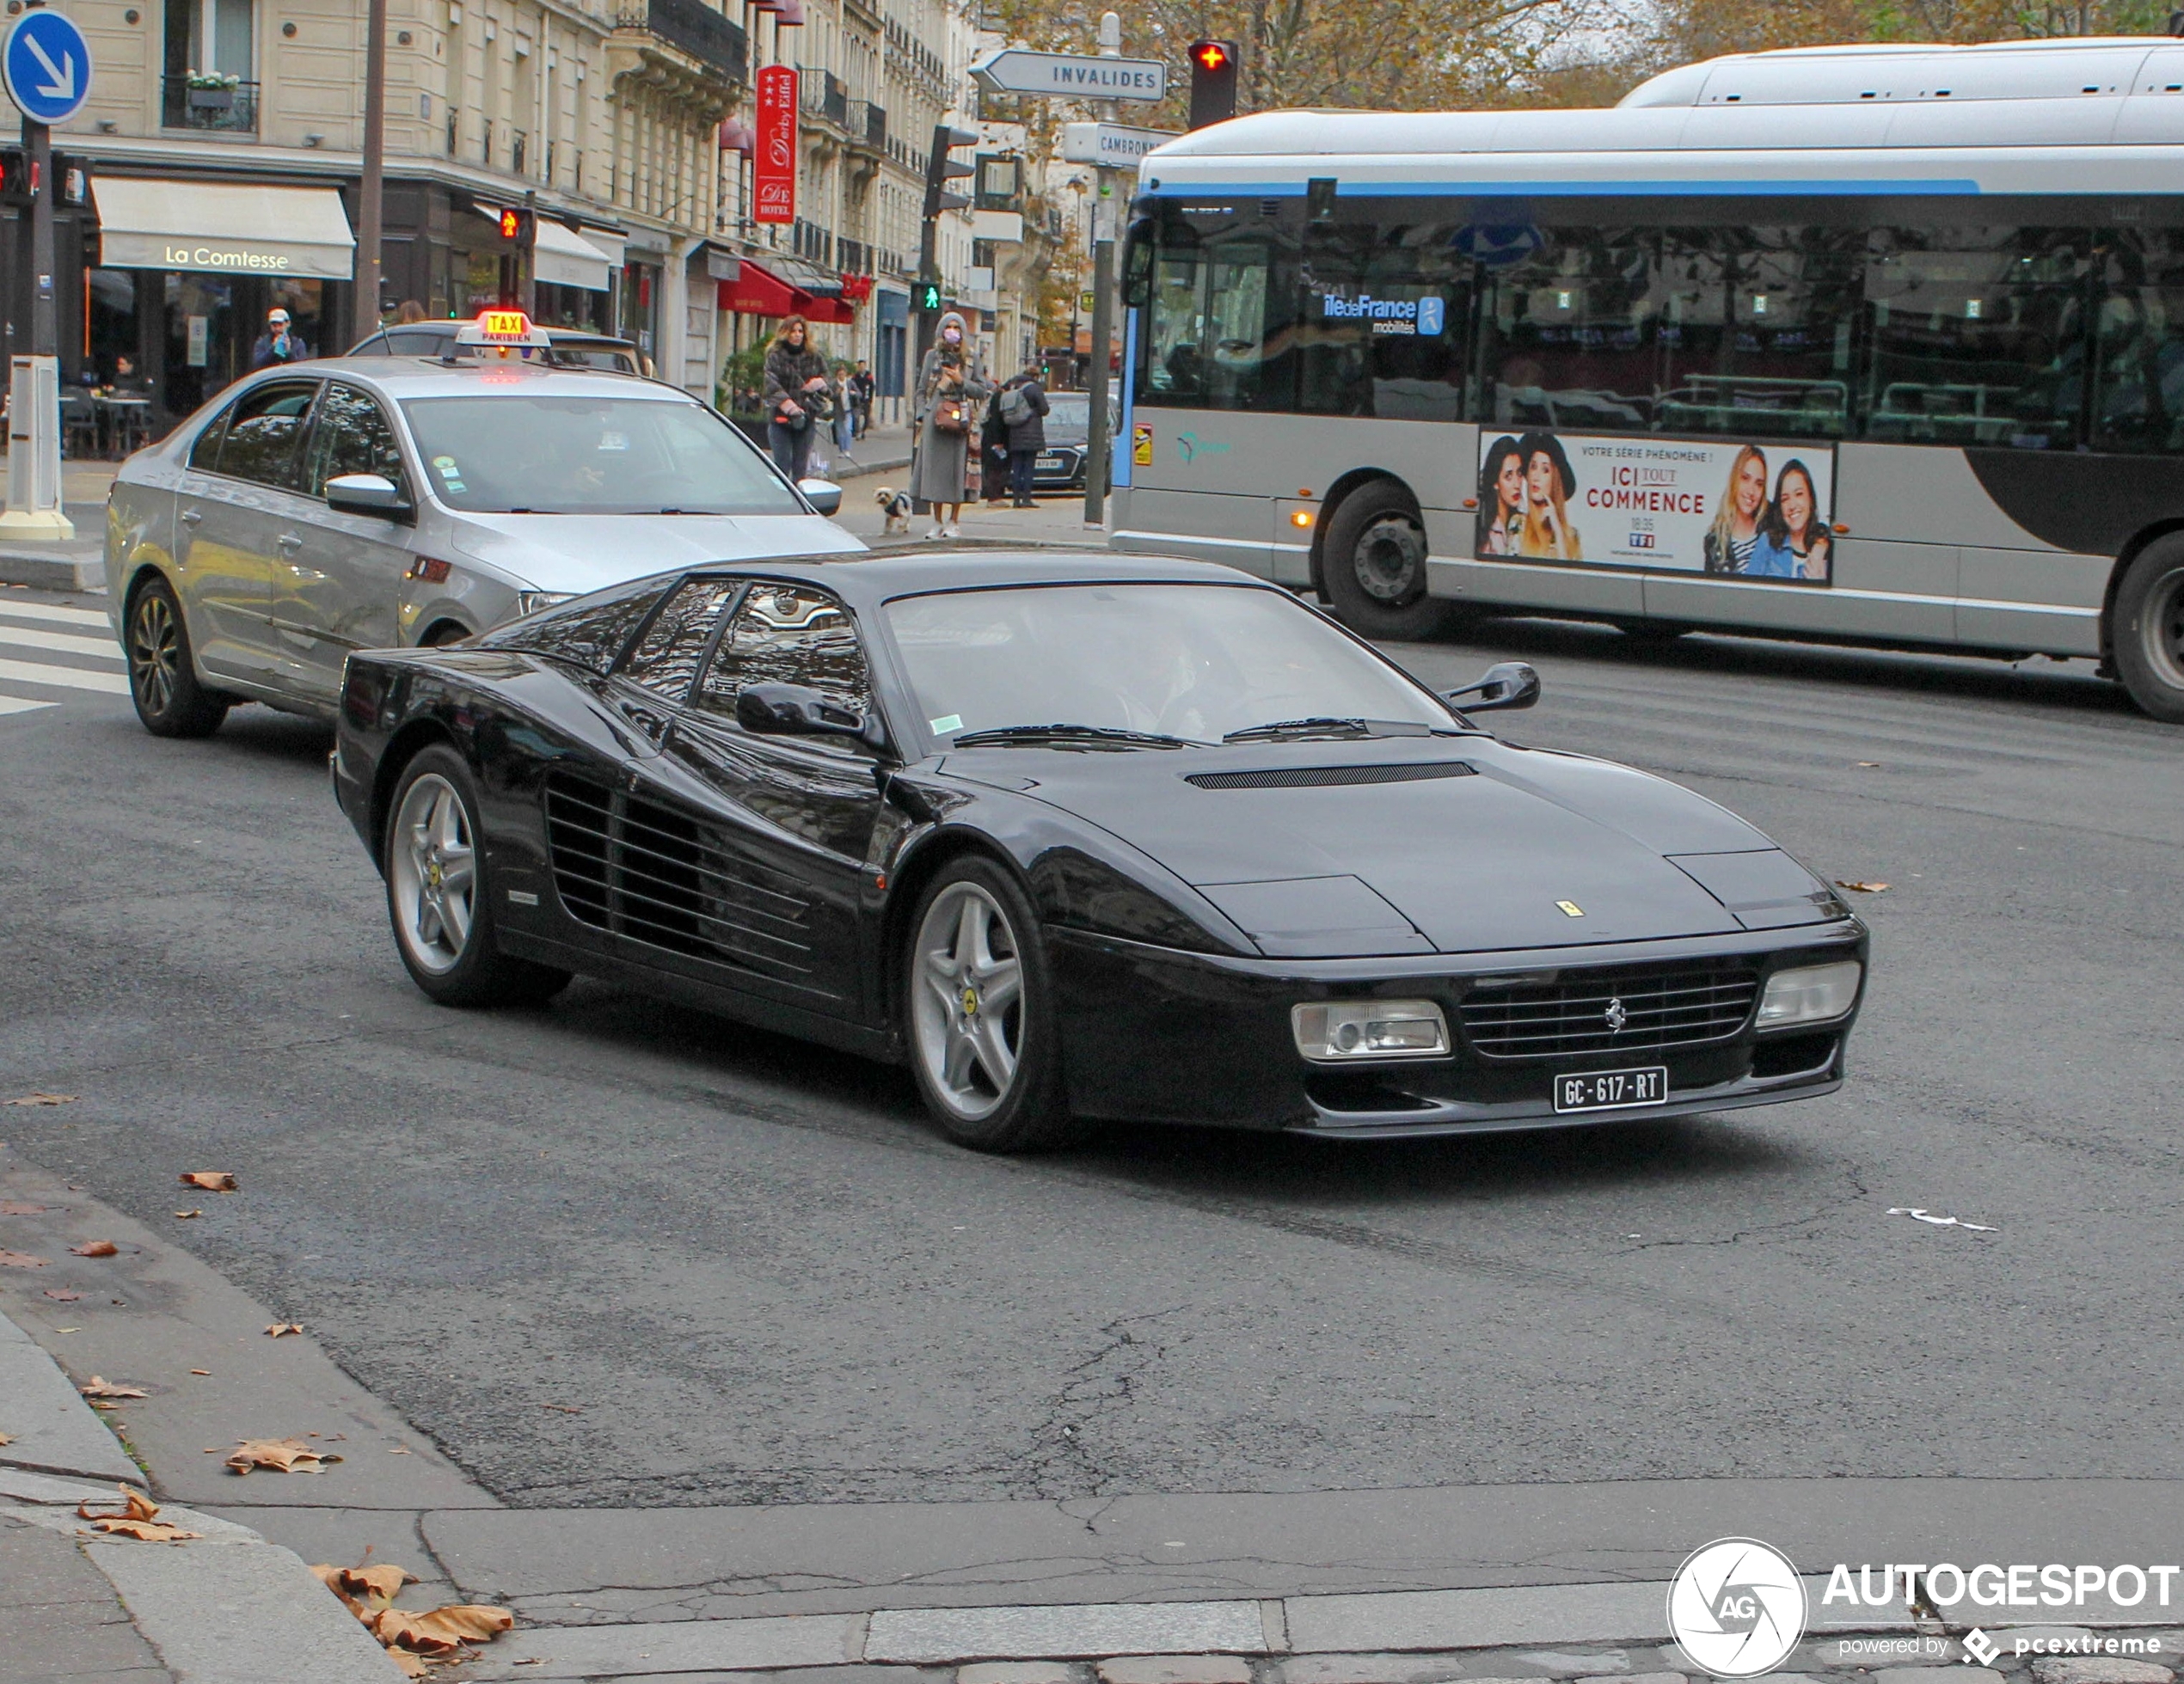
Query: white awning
562	258
223	227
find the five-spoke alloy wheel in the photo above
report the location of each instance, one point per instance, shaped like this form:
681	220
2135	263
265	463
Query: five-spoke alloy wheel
162	681
981	1034
440	892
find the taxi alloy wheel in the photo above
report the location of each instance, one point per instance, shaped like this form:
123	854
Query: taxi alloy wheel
162	681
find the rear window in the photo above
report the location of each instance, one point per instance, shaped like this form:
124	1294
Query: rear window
590	632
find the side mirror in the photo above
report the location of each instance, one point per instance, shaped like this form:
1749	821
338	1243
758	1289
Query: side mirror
823	495
1506	684
367	494
797	710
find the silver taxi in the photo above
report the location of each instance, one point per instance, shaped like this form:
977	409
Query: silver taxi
373	502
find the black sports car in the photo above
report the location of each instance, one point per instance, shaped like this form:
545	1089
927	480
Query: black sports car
1079	837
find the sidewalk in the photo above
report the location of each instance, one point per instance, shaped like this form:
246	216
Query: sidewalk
75	564
1528	1584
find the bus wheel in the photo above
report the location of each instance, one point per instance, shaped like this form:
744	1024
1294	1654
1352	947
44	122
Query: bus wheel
2148	629
1375	566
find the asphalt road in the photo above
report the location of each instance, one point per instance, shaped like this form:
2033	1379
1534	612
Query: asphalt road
758	1277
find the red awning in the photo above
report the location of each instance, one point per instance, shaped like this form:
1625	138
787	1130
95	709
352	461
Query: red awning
758	291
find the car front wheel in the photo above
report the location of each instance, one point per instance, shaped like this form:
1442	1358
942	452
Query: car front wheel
439	892
163	678
978	1016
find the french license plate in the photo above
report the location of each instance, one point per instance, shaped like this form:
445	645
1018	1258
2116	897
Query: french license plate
1611	1090
1049	461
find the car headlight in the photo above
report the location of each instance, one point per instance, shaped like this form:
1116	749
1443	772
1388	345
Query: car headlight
1810	994
529	601
1336	1032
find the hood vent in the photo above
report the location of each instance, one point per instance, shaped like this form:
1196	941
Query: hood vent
1324	777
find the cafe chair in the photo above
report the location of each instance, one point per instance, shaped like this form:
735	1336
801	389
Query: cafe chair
79	425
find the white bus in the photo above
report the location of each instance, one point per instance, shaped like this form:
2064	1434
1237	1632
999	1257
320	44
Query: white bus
1869	345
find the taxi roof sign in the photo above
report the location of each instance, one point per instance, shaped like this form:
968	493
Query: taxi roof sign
499	326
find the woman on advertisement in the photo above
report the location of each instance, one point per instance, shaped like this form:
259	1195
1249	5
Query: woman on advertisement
1734	536
1794	542
1502	498
1546	530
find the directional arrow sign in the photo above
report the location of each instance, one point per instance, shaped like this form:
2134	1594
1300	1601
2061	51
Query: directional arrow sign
1062	76
1109	143
48	66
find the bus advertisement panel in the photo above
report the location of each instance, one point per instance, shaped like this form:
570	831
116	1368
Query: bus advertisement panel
1674	505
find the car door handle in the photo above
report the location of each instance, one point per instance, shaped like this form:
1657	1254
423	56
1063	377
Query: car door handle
191	517
289	541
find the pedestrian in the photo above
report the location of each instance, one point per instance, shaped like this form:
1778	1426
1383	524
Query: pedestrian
993	452
951	388
795	396
845	409
411	310
866	389
1023	411
278	344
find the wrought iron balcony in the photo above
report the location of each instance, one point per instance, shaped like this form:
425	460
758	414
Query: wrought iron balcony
694	28
230	108
824	95
868	125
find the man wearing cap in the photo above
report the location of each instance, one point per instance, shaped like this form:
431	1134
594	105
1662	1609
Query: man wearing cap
277	344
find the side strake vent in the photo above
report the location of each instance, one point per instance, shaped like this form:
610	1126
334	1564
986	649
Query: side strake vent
1322	777
648	873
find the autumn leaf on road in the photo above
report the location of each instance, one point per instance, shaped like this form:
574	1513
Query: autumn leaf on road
184	1215
95	1248
41	1099
15	1207
1863	888
102	1387
282	1455
6	1438
279	1328
138	1517
212	1180
443	1631
21	1260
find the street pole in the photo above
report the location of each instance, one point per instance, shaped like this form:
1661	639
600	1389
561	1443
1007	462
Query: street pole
375	158
45	316
1098	448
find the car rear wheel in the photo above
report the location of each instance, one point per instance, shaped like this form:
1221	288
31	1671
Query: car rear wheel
1375	566
163	678
440	892
979	1015
2148	631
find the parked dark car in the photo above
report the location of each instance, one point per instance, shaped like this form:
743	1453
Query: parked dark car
1082	836
1060	466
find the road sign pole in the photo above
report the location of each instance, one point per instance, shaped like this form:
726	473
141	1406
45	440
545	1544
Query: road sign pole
1098	442
370	190
45	314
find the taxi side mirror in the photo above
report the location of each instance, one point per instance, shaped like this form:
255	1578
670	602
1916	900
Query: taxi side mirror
823	495
367	494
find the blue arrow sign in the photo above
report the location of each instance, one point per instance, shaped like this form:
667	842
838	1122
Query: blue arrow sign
47	65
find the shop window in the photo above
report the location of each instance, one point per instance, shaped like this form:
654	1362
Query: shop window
1977	336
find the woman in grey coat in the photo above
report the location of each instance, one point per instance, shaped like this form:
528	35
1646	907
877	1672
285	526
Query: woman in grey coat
944	459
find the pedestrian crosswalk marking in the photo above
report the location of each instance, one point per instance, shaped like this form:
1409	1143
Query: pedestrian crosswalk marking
15	704
66	677
70	616
17	637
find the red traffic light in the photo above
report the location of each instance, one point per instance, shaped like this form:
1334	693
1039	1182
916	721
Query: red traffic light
1211	55
511	224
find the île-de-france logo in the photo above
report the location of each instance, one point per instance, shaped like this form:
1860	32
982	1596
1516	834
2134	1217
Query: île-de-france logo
1737	1607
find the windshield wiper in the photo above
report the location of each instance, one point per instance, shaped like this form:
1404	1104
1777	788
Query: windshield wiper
1070	734
1324	726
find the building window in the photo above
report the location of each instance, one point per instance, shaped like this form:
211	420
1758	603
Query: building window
211	37
518	143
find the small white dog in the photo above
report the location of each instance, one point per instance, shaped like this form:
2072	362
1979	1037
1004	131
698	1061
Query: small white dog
896	503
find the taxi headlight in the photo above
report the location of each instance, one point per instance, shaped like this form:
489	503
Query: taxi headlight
1811	993
1336	1032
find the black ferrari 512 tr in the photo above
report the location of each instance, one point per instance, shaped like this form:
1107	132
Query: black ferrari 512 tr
1081	837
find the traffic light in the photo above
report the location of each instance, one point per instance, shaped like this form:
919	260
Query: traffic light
928	297
14	176
1213	83
940	170
518	228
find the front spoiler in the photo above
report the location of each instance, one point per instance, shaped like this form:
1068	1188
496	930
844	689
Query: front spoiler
1459	1116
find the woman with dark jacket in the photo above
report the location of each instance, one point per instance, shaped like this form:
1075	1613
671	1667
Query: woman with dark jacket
1027	433
795	397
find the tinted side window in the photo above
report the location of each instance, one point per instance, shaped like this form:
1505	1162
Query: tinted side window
666	659
352	435
1567	335
2138	401
418	342
1977	336
1382	317
590	633
787	635
264	429
204	454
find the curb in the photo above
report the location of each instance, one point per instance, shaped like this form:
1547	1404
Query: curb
54	567
54	1430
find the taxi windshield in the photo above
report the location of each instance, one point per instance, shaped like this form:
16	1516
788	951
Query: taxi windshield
530	453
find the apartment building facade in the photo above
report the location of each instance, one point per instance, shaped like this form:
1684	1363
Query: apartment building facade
213	174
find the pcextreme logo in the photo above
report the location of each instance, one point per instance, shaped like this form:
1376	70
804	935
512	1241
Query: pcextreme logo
1737	1607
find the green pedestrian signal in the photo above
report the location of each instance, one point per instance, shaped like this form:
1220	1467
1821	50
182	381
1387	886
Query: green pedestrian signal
928	297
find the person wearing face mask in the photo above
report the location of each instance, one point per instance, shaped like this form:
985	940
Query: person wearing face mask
952	389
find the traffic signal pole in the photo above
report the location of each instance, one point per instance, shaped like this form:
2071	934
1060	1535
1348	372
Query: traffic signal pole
369	192
44	312
1099	451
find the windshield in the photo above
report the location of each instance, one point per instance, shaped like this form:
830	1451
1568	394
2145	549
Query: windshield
1194	661
1065	413
526	453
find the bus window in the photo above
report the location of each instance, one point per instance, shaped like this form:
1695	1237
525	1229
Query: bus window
1757	331
2138	403
1567	339
1977	336
1173	372
1238	312
1381	317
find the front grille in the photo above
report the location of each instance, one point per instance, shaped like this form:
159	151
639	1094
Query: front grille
660	876
1317	777
1672	1006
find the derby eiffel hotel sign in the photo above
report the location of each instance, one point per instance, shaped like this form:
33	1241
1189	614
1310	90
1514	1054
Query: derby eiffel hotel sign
232	258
